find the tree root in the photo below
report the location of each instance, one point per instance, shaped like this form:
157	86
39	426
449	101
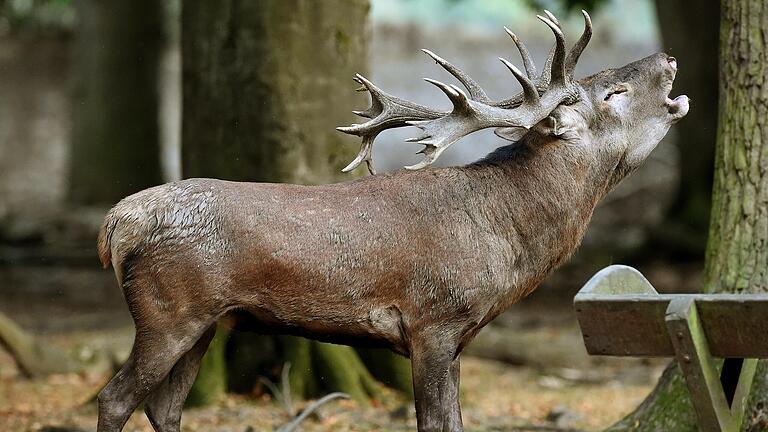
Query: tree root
34	357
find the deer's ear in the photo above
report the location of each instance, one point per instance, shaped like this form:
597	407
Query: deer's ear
559	122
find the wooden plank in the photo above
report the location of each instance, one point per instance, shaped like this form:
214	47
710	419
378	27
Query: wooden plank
624	326
633	325
620	313
741	396
698	366
736	325
618	279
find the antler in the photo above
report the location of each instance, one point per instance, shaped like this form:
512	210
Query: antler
474	110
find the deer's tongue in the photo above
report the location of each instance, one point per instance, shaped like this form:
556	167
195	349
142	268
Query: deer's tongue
678	106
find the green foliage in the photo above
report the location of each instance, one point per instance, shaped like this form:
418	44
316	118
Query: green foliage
567	6
39	17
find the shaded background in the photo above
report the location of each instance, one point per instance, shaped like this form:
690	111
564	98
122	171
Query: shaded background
91	110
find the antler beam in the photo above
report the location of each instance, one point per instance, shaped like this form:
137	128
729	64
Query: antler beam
474	110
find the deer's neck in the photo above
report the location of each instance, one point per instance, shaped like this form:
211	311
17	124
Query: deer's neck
540	196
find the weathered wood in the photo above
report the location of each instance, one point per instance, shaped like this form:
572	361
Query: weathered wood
633	325
34	357
541	349
620	314
628	325
740	400
698	366
617	279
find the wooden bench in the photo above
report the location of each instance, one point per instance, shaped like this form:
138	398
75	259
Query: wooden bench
621	314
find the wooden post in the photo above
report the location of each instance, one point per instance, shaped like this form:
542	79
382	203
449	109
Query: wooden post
700	370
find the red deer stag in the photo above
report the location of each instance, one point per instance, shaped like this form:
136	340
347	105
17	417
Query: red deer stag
414	260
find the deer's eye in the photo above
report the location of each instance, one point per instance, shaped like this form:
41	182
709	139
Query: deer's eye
615	92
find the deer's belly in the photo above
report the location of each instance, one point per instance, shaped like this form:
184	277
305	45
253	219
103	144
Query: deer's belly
379	327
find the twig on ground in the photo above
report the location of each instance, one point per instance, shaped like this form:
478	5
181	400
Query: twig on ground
283	396
294	424
286	382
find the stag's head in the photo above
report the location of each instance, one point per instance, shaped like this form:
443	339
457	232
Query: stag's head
628	109
618	115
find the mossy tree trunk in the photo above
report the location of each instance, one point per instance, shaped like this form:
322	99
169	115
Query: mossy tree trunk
264	85
684	232
211	384
115	144
737	248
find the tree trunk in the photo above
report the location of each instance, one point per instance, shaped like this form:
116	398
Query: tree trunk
684	232
737	248
212	384
265	84
115	145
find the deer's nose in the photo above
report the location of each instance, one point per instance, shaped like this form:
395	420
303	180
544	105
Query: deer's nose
672	62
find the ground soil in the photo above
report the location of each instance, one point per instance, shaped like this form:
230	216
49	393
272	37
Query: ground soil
587	395
78	307
495	397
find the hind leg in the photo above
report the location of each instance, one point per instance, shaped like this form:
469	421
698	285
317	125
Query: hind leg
164	405
115	400
155	350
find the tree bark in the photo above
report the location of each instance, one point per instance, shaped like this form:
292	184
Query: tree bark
684	232
115	144
737	248
264	86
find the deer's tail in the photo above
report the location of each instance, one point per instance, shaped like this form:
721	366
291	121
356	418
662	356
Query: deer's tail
104	241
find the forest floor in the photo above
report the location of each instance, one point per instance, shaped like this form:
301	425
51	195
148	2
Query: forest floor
495	397
572	393
549	383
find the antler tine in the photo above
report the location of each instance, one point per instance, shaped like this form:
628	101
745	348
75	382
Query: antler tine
376	106
468	115
365	154
475	91
557	74
431	153
386	111
528	64
530	93
552	17
578	48
457	97
543	80
540	96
